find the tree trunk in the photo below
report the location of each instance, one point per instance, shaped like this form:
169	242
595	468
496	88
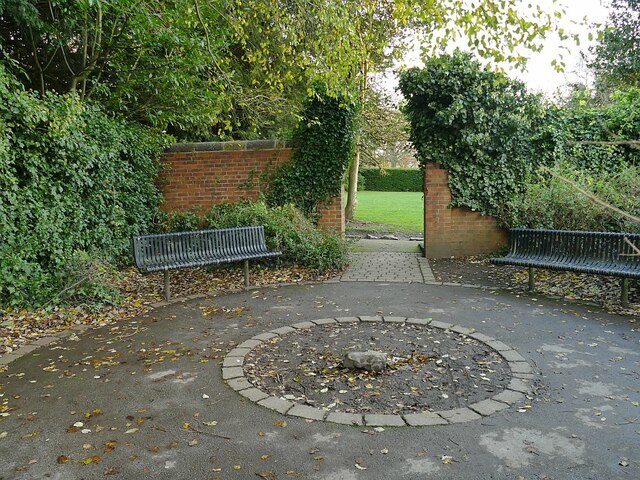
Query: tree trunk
352	199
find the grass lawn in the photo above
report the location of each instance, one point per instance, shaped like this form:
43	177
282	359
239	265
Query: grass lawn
402	209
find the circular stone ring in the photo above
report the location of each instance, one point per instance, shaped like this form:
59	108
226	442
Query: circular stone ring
521	373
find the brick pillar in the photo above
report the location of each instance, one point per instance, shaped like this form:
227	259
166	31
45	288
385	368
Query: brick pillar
454	231
332	216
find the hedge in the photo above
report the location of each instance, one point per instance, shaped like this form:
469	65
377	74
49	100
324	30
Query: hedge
75	183
391	180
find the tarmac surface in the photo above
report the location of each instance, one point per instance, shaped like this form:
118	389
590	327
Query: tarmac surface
146	399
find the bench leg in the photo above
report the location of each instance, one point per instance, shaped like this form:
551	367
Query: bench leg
531	279
246	273
625	292
167	288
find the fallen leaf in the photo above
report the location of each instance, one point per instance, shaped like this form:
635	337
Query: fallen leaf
193	442
62	459
268	474
109	446
280	423
111	471
131	430
210	424
360	467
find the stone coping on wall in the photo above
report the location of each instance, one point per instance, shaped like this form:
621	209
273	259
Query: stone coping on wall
234	145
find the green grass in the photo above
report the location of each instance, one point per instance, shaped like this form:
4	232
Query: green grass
401	209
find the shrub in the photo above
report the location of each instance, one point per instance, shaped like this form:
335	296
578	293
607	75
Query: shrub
552	203
287	230
72	180
392	180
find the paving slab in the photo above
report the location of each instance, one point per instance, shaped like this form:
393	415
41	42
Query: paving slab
508	396
459	415
305	411
277	404
488	407
424	419
373	420
345	418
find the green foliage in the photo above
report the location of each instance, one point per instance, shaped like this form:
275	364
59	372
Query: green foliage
617	55
325	143
72	180
286	230
392	179
235	68
476	123
152	61
549	202
577	127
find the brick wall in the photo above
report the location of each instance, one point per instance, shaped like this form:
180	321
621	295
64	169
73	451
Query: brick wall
455	231
199	175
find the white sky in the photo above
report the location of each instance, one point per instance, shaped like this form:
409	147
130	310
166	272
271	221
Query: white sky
540	75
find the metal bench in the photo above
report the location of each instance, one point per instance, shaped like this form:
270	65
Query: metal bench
599	253
168	251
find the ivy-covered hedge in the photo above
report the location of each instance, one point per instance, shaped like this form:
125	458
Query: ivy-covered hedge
391	180
479	125
325	141
73	182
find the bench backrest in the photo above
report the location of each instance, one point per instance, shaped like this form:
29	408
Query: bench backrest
170	250
574	246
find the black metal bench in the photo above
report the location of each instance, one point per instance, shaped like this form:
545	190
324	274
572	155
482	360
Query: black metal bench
599	253
168	251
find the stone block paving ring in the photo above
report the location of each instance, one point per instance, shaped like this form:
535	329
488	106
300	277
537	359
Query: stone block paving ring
378	371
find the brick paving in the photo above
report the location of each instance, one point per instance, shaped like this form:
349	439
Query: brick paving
387	267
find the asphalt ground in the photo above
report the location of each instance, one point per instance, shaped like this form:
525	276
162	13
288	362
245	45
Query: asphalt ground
152	403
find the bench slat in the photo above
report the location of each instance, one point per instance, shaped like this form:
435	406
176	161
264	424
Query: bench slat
601	253
203	247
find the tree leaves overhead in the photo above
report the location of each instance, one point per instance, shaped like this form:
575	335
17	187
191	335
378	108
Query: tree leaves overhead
204	68
617	54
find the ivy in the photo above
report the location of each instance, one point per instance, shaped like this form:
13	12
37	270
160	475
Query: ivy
72	181
324	144
481	126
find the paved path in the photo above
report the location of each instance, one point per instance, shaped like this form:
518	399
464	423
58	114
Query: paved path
399	262
146	398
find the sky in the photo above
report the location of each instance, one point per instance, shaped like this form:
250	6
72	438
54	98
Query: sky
540	76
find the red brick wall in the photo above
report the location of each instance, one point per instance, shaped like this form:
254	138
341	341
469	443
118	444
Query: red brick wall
199	175
455	231
332	216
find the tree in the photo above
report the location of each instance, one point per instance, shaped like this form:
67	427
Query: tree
494	29
151	60
384	130
617	54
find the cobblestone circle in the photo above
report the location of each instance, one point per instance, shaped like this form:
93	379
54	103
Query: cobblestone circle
517	388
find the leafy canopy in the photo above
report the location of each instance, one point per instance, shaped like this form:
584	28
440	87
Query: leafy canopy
203	68
617	54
